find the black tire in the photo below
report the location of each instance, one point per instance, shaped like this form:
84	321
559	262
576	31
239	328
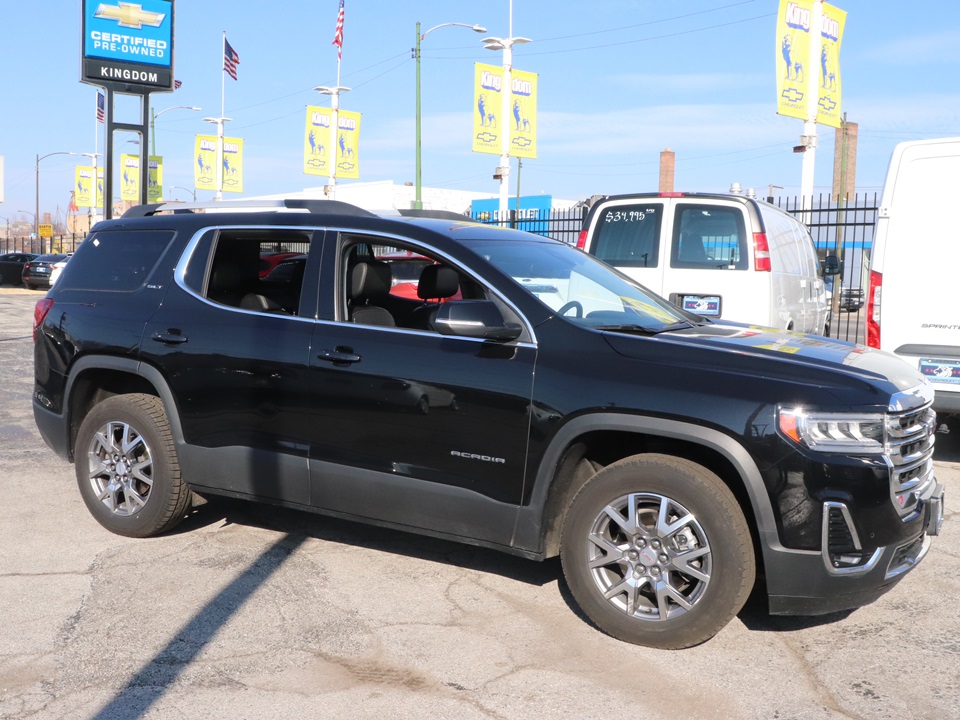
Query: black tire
127	467
667	585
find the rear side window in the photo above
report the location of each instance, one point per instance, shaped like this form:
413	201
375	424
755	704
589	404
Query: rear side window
118	261
227	268
709	236
628	235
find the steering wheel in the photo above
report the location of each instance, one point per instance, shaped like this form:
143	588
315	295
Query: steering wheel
572	305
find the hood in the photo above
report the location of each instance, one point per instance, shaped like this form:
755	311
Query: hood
781	346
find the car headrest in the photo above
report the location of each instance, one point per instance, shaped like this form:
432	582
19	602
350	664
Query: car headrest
438	281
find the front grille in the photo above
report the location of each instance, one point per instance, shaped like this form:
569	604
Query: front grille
910	439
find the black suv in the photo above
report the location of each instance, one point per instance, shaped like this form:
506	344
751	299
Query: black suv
529	399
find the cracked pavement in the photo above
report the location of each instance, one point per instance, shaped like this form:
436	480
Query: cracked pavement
248	611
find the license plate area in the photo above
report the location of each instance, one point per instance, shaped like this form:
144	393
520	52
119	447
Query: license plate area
941	370
708	305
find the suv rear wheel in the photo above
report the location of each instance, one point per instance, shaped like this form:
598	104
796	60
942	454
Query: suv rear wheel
657	552
127	467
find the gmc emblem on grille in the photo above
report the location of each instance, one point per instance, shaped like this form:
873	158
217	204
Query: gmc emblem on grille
476	456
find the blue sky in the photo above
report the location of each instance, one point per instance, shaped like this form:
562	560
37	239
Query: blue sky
619	81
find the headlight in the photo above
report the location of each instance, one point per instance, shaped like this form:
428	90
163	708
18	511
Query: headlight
833	432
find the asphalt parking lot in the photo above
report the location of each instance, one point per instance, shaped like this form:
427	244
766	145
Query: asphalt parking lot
248	611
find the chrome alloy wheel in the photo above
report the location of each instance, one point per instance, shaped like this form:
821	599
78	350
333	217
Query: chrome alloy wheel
649	557
120	468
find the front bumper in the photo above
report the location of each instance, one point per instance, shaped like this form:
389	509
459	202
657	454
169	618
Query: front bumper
807	583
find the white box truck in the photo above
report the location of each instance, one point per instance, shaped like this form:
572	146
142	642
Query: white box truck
913	300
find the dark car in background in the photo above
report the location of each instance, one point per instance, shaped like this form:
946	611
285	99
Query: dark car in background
11	267
851	299
36	273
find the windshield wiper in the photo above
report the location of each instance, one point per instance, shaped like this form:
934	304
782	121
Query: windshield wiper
633	327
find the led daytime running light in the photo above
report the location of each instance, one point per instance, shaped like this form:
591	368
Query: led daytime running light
834	432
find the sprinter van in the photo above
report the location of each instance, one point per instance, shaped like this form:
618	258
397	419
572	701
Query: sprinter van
912	305
717	255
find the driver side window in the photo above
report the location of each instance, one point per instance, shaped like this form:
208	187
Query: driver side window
389	285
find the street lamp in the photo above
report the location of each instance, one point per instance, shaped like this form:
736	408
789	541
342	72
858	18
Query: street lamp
219	121
36	215
418	201
192	192
153	119
334	93
506	44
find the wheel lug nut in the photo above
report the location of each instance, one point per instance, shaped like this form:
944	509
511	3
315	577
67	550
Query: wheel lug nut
664	558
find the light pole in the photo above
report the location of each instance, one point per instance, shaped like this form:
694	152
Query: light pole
418	201
219	121
193	192
506	44
334	93
153	119
36	215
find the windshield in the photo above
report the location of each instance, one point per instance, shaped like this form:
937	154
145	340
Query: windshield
579	287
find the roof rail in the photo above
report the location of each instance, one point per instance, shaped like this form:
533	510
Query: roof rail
438	214
318	207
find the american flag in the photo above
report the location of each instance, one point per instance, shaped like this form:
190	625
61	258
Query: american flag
100	111
177	84
338	33
230	59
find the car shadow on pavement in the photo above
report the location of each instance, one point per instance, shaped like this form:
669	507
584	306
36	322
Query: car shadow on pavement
222	510
213	510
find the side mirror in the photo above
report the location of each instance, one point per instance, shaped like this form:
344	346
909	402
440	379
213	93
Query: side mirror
475	319
830	265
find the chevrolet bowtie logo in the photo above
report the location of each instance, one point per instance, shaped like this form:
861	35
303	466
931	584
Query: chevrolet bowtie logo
486	137
522	142
129	15
792	95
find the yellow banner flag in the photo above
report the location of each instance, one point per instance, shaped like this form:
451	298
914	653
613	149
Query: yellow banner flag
155	179
316	141
130	178
205	167
232	165
348	145
521	125
345	152
794	21
828	108
85	186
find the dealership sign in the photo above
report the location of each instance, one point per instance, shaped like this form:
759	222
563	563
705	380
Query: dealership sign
126	45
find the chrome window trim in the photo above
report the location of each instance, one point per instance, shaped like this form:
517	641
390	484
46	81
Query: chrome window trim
187	254
179	273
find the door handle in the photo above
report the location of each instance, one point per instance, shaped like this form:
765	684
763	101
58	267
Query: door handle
338	356
170	337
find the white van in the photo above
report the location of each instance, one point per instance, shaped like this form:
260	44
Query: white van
913	308
718	255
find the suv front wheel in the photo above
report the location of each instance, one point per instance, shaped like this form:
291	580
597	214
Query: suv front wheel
657	552
127	467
